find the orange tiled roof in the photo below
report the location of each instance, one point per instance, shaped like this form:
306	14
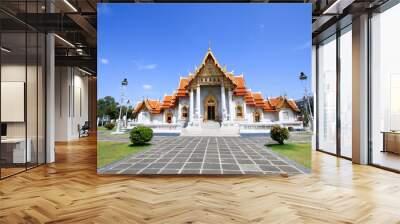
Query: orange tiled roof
169	101
153	106
258	99
279	102
138	107
248	98
268	107
240	89
183	83
293	105
210	54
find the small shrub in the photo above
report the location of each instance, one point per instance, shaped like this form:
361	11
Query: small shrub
109	126
141	135
279	134
290	129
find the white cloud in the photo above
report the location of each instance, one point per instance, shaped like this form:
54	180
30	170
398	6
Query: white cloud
104	61
147	67
147	87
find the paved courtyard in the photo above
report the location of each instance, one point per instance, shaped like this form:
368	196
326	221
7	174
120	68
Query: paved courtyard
204	155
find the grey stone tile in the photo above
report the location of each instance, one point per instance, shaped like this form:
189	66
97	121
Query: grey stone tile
149	171
230	167
211	172
175	151
245	161
211	160
228	161
177	160
174	166
163	160
148	160
289	169
156	165
130	171
277	162
232	172
190	166
211	166
262	162
196	160
121	166
133	161
253	172
190	172
169	171
269	168
249	167
139	165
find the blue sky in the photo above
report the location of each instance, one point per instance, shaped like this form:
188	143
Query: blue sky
152	45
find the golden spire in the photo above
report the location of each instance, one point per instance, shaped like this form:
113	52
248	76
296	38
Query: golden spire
209	45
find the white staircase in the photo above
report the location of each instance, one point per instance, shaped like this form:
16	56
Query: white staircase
210	128
210	125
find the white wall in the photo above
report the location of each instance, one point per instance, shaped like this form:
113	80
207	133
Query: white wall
71	102
144	116
290	113
271	116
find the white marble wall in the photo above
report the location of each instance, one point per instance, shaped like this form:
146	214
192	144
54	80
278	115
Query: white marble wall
291	115
248	111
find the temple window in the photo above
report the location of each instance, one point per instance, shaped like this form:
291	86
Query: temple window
256	116
184	112
239	111
169	117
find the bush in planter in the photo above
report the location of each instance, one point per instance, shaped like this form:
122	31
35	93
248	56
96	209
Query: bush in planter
141	135
279	134
290	129
109	126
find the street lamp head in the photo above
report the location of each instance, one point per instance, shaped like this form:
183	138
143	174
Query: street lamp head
302	76
125	82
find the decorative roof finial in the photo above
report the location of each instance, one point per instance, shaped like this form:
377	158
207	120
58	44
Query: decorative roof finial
209	45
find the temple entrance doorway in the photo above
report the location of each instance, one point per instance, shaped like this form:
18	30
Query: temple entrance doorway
210	108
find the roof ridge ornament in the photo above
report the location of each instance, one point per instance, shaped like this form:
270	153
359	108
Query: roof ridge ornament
209	45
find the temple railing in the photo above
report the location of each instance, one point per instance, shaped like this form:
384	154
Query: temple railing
160	126
269	125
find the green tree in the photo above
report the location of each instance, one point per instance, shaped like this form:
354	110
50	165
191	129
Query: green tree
107	107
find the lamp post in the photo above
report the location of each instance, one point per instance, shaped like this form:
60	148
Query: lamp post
128	103
303	78
124	84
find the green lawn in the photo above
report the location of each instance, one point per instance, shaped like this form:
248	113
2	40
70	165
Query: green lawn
299	152
102	132
102	128
108	152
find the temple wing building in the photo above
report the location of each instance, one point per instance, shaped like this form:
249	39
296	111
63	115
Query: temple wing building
211	96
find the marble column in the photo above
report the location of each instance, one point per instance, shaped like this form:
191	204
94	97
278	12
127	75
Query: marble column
179	112
198	103
244	110
223	103
191	106
231	106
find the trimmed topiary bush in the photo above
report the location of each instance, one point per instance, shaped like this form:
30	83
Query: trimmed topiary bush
141	135
109	126
279	134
